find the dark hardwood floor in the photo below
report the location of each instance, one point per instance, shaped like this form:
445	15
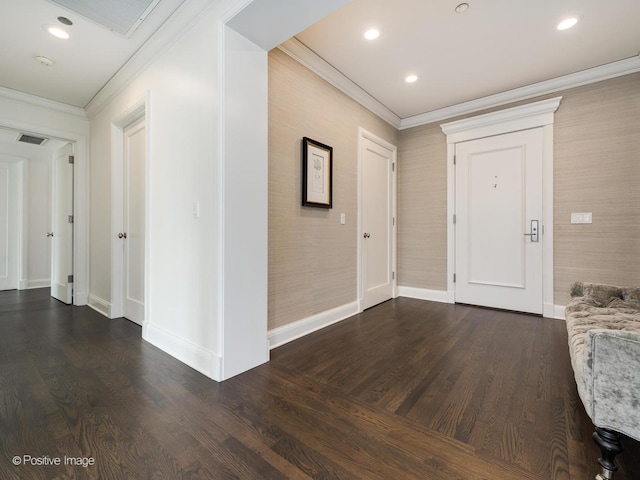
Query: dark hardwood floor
407	390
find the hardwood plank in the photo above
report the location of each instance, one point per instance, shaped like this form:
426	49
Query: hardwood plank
409	389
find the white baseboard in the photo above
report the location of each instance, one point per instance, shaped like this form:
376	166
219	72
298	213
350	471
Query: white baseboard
100	305
559	312
441	296
287	333
28	284
198	358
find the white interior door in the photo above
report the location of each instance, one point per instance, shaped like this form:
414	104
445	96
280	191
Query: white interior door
499	221
377	217
133	235
62	229
9	224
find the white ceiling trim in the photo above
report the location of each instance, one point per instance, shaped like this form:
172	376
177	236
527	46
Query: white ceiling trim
41	102
303	55
166	36
585	77
319	66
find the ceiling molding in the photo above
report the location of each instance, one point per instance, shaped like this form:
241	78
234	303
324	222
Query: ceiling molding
164	38
585	77
41	102
303	55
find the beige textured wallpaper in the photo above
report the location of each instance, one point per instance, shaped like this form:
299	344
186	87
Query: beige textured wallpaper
312	258
596	169
422	208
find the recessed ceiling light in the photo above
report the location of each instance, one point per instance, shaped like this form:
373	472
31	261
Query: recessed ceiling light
58	32
567	23
463	7
411	78
371	34
46	61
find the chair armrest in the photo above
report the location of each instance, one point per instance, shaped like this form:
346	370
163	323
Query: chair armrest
612	379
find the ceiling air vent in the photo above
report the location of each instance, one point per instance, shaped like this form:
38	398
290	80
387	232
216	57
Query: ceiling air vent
122	16
32	139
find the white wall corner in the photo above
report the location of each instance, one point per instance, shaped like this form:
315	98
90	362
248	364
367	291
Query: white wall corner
441	296
198	358
287	333
100	305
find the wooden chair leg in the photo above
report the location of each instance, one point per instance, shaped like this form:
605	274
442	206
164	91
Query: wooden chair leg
610	445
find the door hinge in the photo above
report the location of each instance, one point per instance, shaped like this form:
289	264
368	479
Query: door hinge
454	278
454	218
454	159
394	221
393	167
70	279
393	275
72	159
70	219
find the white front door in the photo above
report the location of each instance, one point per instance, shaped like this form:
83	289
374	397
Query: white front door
9	198
377	221
62	229
499	221
134	221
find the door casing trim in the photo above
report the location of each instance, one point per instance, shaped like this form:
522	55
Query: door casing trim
537	114
134	113
362	135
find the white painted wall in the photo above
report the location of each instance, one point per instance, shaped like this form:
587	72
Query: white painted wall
180	89
206	112
243	205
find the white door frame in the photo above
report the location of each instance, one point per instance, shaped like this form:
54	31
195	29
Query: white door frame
364	134
80	201
134	113
538	114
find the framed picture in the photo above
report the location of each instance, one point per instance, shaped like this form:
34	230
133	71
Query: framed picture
317	174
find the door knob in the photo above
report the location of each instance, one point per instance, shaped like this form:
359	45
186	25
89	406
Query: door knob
122	235
367	235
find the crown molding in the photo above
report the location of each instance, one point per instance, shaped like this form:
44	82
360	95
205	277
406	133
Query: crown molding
303	55
585	77
41	102
181	21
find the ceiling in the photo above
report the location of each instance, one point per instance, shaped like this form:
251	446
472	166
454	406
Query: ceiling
84	63
497	45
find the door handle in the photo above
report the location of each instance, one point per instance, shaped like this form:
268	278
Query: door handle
49	234
122	235
367	235
534	231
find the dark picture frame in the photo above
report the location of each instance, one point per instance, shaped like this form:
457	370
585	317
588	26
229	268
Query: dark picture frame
317	174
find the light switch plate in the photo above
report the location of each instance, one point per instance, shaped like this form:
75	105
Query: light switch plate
585	217
343	219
